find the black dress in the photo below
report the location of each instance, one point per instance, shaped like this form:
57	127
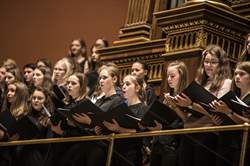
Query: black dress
129	151
198	148
69	153
87	153
165	148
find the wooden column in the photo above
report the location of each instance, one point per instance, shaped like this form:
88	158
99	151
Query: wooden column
138	22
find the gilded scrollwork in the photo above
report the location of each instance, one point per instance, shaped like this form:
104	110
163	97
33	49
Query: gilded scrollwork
200	39
167	44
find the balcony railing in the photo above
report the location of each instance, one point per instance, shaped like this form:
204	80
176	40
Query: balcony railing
112	137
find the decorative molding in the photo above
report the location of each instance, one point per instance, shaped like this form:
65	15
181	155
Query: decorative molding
181	33
156	68
200	23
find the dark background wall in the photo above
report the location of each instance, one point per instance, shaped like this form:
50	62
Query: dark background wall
32	29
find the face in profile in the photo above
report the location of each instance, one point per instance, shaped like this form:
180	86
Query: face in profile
129	88
2	73
95	56
11	93
73	86
38	77
37	100
138	71
173	77
248	44
211	64
9	78
28	74
242	79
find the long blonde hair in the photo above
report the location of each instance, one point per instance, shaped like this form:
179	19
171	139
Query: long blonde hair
19	107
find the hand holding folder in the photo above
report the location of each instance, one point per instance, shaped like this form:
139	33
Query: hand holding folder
198	94
122	115
82	118
59	115
159	112
85	113
75	113
86	109
203	97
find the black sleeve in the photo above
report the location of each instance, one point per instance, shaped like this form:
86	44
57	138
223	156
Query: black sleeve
150	95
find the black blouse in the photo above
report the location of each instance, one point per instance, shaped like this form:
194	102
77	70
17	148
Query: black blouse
138	109
234	138
107	103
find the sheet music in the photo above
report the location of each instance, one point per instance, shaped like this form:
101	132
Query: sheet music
133	117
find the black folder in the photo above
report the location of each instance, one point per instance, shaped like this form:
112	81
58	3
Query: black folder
8	122
59	94
59	115
235	103
159	112
89	108
27	127
199	94
123	115
85	106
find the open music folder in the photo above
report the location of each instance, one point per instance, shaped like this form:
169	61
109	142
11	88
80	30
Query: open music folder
159	112
200	95
121	113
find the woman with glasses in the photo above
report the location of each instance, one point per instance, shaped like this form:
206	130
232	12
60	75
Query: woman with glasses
61	71
213	74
